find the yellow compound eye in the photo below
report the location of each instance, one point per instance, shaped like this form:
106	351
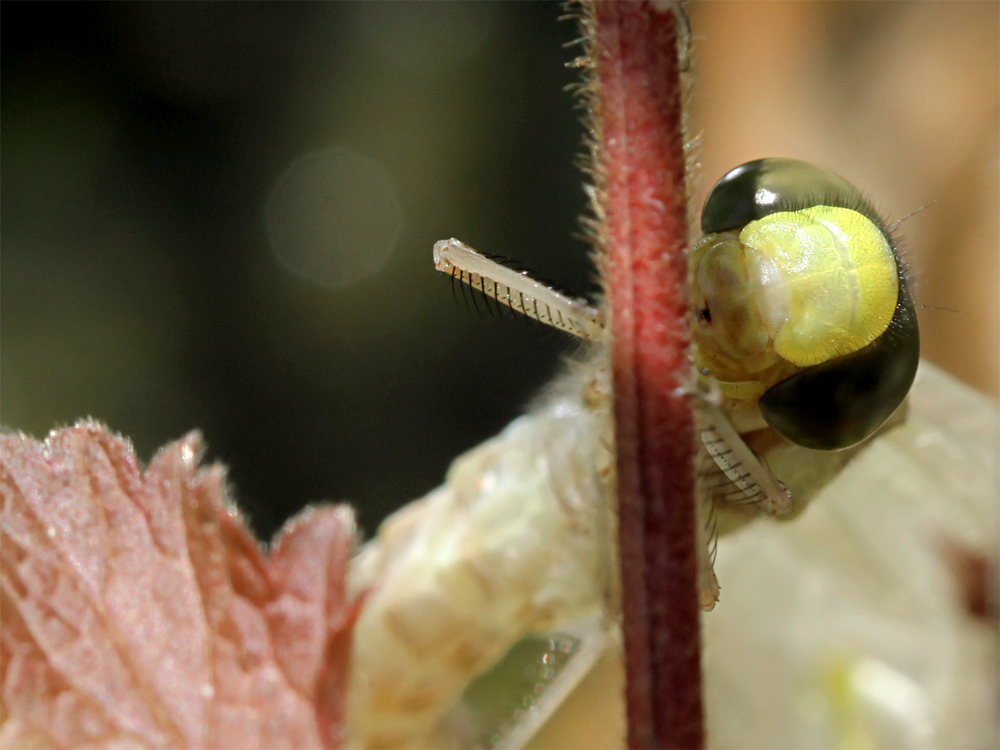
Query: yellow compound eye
800	304
824	280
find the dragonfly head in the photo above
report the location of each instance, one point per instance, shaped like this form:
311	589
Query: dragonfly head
801	304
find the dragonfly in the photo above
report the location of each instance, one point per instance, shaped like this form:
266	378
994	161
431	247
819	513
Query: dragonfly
804	347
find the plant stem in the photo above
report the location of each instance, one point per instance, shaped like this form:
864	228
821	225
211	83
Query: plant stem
642	200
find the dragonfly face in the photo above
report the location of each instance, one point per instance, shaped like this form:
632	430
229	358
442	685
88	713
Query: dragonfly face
803	321
801	306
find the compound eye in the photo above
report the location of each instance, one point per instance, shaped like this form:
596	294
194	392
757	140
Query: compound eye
766	186
841	402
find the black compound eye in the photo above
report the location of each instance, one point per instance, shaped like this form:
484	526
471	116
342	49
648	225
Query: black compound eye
766	186
841	402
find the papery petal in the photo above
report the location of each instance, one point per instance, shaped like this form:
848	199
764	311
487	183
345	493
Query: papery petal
138	610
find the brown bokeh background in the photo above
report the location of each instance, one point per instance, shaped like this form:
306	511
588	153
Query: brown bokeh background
140	143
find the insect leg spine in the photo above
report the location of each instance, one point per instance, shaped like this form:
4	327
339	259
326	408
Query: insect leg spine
518	291
754	481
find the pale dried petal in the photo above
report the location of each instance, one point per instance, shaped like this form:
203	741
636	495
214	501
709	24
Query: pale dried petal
137	609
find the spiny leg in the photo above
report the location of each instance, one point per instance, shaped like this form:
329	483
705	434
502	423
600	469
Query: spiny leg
754	482
729	473
518	291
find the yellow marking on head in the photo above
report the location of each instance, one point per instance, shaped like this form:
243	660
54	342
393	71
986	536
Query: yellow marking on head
825	281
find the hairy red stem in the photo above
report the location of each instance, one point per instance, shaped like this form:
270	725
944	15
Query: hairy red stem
644	205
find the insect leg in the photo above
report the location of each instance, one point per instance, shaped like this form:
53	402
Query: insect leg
754	483
708	537
534	299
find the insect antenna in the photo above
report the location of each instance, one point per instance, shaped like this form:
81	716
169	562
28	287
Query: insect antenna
897	222
943	309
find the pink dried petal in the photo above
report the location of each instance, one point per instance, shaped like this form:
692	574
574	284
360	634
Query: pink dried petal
138	610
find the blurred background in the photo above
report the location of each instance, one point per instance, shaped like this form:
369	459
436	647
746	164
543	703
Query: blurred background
220	215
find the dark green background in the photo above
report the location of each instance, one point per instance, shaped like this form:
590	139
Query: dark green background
139	144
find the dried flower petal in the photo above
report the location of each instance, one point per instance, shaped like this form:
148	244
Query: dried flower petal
138	610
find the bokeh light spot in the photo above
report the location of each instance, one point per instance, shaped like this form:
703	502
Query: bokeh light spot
334	217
